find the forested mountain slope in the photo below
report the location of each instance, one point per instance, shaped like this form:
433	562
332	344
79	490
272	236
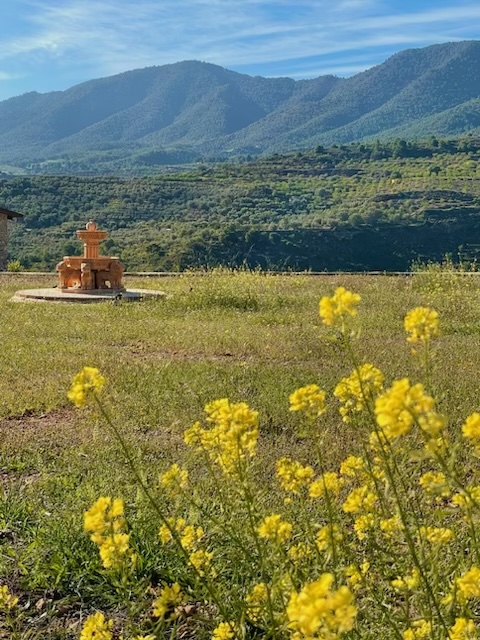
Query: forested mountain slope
180	112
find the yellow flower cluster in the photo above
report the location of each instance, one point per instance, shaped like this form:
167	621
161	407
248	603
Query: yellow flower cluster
7	601
361	499
232	437
436	535
469	584
224	631
403	405
419	629
463	629
356	390
355	575
363	524
468	497
171	596
317	611
174	478
256	601
293	476
421	325
343	303
408	582
87	382
201	560
391	526
471	430
329	482
299	551
435	483
327	537
352	467
105	521
275	529
96	627
188	534
309	399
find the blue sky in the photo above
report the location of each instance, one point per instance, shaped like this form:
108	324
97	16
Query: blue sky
48	45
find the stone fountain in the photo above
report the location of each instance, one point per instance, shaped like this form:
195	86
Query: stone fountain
88	278
90	272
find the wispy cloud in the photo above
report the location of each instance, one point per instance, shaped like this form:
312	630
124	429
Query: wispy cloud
103	37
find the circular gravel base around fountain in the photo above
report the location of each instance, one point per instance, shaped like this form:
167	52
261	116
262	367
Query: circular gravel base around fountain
102	295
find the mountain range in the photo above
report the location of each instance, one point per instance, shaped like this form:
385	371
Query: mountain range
191	109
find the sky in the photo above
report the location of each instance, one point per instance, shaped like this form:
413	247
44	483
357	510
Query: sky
51	45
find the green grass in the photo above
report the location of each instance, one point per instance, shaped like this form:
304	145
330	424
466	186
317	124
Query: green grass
245	336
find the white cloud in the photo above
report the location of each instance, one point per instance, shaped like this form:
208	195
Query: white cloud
109	36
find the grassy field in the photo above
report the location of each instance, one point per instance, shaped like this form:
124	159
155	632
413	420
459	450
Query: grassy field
244	336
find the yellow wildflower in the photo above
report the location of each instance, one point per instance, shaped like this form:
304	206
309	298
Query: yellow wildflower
436	535
329	481
352	466
310	399
256	601
317	611
165	534
170	597
463	629
275	529
299	551
409	581
390	526
471	427
87	382
224	631
96	627
292	475
149	637
468	497
402	405
327	536
7	601
174	478
360	499
103	518
363	524
421	324
190	536
435	483
469	584
231	438
355	575
201	560
419	629
114	549
343	303
355	391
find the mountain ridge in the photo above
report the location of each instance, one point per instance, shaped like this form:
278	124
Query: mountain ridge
207	110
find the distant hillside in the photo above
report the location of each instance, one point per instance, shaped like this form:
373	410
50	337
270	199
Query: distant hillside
177	113
349	207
